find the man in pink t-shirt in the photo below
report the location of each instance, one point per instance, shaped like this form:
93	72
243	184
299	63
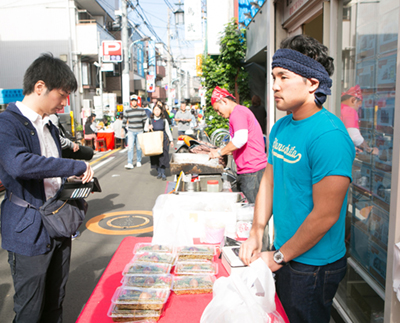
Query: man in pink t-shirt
351	102
247	144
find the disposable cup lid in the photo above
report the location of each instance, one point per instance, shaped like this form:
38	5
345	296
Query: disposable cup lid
213	182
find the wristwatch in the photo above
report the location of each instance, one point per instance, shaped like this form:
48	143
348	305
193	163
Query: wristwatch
279	258
219	152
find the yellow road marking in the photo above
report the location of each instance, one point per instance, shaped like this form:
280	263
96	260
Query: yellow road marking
104	156
93	223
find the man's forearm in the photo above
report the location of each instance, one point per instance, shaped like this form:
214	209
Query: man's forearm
308	235
263	205
230	147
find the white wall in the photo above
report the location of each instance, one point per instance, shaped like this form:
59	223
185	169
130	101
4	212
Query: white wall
219	13
27	29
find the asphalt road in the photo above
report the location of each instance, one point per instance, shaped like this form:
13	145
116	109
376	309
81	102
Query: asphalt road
126	200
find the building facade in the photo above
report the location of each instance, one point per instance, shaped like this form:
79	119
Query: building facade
362	37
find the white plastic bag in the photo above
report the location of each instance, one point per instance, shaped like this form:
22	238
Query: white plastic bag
248	297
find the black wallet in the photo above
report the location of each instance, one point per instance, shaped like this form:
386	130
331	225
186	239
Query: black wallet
74	189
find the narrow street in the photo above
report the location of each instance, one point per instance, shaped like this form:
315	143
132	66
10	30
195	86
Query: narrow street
126	200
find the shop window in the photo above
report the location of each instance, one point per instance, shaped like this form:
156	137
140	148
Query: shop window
369	55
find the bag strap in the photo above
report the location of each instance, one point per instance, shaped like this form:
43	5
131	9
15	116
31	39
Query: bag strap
20	202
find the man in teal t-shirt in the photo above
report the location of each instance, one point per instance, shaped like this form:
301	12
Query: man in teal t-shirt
304	186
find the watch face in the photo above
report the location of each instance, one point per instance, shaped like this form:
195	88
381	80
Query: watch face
278	257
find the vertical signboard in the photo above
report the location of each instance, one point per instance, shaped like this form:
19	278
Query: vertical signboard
140	58
152	57
193	20
151	83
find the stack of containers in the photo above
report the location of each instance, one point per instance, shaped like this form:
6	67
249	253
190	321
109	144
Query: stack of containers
147	279
146	284
195	270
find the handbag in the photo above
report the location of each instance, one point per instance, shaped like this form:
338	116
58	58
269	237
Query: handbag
60	218
151	142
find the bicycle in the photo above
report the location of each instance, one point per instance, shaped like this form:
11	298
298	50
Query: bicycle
220	137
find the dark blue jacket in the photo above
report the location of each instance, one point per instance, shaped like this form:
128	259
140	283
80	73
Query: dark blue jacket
22	170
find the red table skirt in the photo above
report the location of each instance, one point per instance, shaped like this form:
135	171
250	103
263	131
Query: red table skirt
109	137
178	309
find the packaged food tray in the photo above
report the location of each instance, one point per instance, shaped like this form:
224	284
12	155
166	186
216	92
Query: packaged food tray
148	281
142	316
194	284
145	268
140	298
154	257
196	252
148	247
196	268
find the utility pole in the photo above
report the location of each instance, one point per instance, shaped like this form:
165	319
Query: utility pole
100	71
125	55
169	62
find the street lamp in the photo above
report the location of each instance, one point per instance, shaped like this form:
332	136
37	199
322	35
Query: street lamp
135	42
179	15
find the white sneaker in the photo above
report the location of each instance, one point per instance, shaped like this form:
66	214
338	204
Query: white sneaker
129	166
138	164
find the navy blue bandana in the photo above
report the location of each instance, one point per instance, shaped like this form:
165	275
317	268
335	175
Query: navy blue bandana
307	67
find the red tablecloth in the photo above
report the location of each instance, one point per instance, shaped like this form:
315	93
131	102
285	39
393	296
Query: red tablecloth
109	137
178	309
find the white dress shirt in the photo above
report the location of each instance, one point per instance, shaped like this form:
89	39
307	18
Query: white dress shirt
48	146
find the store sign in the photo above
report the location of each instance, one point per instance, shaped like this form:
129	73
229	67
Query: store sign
152	57
112	51
151	87
193	20
291	7
107	67
199	62
140	58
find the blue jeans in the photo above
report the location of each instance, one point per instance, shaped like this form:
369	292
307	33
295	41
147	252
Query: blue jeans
307	292
133	140
249	184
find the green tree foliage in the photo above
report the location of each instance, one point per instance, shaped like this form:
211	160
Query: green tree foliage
226	71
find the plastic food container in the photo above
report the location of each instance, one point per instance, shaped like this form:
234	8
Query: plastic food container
140	298
213	186
145	268
138	316
148	247
196	268
196	252
153	257
148	281
193	284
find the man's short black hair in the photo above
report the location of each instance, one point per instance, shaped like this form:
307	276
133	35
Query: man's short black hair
312	48
55	73
230	98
